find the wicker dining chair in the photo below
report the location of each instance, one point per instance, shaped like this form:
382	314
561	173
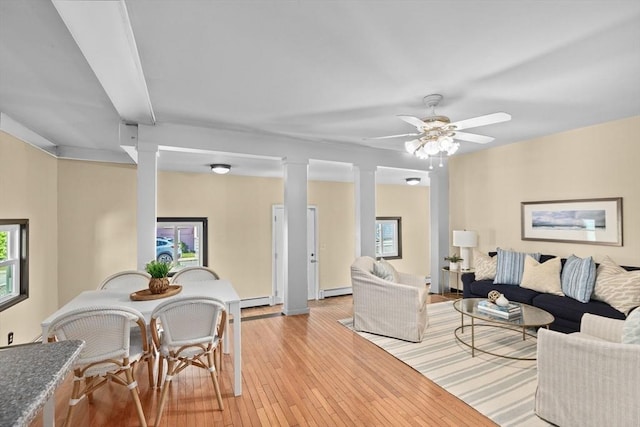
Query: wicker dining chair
194	274
191	330
131	280
109	350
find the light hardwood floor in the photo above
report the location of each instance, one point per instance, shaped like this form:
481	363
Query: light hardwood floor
297	371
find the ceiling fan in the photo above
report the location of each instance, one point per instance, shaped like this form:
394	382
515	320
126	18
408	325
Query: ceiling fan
437	133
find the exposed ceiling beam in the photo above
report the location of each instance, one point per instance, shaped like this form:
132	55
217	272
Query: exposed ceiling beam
102	30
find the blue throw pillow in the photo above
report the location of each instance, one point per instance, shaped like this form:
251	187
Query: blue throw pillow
578	278
510	266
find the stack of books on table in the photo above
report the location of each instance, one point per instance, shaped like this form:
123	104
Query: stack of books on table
511	311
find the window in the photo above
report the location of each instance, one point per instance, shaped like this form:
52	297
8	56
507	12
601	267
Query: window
14	270
191	237
389	237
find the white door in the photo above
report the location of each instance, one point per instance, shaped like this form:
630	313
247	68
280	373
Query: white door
312	256
279	261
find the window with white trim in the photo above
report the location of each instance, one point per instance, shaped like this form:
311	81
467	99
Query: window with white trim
182	241
14	271
389	237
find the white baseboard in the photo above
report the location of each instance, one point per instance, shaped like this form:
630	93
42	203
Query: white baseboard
334	292
255	302
323	293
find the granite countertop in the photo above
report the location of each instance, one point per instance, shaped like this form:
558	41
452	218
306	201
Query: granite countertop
29	376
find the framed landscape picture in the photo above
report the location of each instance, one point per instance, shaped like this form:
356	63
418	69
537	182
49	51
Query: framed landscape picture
589	221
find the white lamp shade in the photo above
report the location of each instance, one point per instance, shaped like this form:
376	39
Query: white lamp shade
465	239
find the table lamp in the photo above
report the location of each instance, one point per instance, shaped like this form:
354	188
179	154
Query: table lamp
465	240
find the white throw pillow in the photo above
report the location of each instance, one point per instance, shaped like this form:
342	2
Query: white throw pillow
542	277
616	286
484	265
385	271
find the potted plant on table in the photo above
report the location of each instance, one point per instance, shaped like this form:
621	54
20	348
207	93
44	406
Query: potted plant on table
159	271
454	261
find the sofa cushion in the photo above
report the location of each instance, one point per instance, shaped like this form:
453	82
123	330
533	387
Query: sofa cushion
579	278
484	265
616	286
631	328
572	310
510	266
542	277
481	289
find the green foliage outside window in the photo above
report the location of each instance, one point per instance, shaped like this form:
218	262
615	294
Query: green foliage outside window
3	245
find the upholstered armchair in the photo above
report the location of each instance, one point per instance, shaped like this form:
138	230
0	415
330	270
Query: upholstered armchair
588	378
394	308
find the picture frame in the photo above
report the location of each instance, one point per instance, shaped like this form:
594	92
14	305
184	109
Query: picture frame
586	221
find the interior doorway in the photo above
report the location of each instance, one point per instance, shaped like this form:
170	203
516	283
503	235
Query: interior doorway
279	261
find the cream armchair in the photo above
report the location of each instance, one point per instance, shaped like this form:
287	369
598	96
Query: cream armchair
588	378
383	307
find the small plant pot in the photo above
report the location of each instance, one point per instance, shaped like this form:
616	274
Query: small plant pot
158	285
453	266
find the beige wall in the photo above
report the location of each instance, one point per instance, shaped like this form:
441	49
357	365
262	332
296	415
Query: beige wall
336	226
96	223
412	204
487	187
28	190
239	212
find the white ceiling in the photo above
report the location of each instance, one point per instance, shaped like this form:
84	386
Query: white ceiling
327	72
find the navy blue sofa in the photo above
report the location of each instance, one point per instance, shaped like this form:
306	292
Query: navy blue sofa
567	311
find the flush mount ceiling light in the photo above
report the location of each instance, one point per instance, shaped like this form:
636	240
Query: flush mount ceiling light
220	168
413	181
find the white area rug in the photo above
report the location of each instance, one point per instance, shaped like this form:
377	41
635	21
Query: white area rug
501	389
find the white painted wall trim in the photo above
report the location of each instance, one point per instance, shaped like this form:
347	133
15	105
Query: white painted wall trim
335	292
256	302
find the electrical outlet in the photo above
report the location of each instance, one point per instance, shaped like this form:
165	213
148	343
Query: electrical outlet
10	338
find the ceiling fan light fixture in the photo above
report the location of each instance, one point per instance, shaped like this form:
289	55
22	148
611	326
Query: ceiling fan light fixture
220	168
412	146
438	134
431	148
413	181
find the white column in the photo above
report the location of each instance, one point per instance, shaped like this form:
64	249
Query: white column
147	202
365	195
295	230
439	215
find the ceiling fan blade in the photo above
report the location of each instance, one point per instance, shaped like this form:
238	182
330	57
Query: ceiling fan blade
489	119
394	136
418	123
472	137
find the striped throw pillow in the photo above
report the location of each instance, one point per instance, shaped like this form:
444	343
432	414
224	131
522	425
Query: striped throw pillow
579	278
617	287
510	266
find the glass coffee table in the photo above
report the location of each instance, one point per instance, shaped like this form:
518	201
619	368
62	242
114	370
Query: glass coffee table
532	317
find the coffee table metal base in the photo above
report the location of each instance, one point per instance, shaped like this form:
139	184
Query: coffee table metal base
460	330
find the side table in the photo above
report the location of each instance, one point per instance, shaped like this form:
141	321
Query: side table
446	272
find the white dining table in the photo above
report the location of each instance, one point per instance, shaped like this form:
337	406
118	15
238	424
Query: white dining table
220	289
